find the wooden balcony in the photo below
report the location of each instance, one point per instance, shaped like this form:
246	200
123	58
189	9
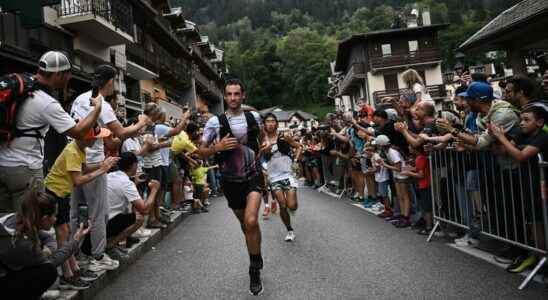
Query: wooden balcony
355	75
405	59
208	87
109	21
437	92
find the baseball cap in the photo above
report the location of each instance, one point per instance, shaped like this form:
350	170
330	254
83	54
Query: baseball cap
102	74
97	133
478	91
53	62
381	140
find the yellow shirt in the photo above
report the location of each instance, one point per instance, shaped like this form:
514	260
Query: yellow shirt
182	143
59	180
199	175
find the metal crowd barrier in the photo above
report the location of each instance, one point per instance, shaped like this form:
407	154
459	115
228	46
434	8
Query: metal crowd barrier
493	195
334	176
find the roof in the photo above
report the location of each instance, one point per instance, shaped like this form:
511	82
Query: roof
286	115
507	20
345	46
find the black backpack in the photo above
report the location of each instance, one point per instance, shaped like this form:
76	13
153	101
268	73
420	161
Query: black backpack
253	134
14	90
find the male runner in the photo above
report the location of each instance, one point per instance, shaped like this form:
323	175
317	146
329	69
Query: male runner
277	150
233	137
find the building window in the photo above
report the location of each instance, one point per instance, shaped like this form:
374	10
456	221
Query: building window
413	46
386	49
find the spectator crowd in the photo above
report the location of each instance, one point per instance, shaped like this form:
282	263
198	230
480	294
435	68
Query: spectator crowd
115	180
71	217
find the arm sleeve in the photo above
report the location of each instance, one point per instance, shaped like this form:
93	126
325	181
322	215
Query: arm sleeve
60	255
73	162
58	118
107	114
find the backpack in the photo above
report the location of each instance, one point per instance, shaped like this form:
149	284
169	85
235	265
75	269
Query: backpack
15	89
222	158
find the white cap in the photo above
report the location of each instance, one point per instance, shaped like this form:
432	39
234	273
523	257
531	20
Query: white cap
53	62
381	140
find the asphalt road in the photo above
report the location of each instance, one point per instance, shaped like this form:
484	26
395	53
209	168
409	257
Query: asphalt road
341	252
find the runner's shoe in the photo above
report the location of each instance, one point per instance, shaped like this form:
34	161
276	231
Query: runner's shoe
290	237
255	284
73	283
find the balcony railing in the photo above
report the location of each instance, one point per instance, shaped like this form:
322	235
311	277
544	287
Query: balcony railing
79	14
437	92
355	74
405	59
209	86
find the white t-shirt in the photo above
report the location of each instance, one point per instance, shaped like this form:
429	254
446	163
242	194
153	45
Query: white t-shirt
395	157
238	125
419	88
121	192
80	109
133	145
161	131
39	110
381	175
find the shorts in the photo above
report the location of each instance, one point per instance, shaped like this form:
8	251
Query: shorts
172	173
198	190
313	162
284	185
382	188
425	200
236	192
119	223
63	208
154	173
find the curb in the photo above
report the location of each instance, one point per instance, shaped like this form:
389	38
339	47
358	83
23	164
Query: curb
135	253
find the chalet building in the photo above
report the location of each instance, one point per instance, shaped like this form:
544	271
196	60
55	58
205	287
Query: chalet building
520	32
158	57
289	119
369	65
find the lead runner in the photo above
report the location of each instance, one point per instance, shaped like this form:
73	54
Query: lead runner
234	138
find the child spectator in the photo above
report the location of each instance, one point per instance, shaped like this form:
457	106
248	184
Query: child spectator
382	177
422	174
67	173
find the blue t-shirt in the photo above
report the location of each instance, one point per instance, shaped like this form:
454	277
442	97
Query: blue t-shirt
470	122
357	141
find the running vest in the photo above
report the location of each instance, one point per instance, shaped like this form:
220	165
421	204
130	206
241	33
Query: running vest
281	146
239	164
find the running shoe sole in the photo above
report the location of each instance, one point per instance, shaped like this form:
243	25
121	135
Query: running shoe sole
259	293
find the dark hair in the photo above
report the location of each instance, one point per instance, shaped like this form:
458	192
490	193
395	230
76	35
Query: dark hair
381	114
271	115
35	205
461	89
234	81
479	77
523	84
191	128
538	113
127	160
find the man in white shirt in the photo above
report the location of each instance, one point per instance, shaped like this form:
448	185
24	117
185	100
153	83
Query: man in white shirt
21	160
94	193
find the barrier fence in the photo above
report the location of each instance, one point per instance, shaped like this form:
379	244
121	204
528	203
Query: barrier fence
492	195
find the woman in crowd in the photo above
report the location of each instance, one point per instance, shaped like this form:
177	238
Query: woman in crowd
28	254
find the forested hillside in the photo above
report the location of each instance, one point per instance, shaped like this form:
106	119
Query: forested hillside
282	48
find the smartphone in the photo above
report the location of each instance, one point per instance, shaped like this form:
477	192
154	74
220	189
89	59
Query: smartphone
83	216
94	93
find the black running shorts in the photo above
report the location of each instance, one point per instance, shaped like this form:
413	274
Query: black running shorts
236	192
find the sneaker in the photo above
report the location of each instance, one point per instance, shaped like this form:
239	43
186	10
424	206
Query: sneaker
117	254
466	241
86	275
51	295
206	203
73	283
142	233
106	263
255	284
266	212
205	210
393	218
522	265
290	237
83	260
130	241
196	211
424	231
402	223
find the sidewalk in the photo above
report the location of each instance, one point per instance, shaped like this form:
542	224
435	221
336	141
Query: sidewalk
135	253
